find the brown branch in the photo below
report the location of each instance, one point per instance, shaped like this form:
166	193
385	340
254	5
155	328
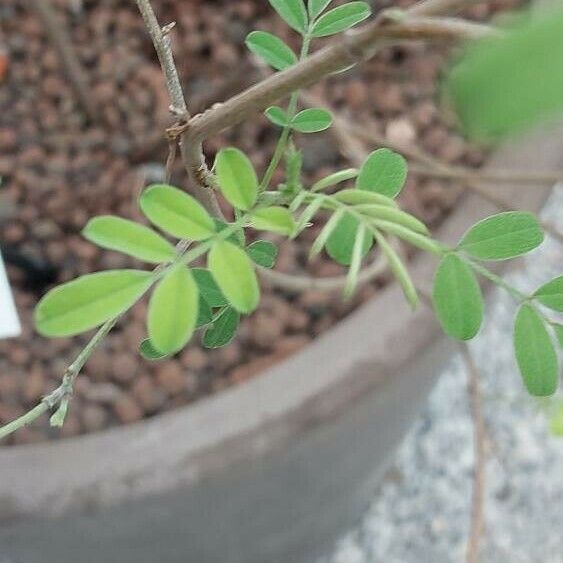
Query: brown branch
479	441
60	39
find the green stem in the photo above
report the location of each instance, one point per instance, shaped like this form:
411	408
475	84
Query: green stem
23	420
284	137
486	273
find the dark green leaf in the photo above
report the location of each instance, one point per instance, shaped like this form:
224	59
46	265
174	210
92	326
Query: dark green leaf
237	178
277	116
535	354
223	329
502	236
507	83
384	172
89	301
149	352
263	253
276	219
234	273
312	120
208	289
271	49
457	298
176	213
551	294
340	244
238	237
293	12
204	313
173	310
341	18
130	238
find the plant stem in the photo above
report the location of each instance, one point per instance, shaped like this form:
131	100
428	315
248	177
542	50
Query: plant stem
497	280
284	137
23	420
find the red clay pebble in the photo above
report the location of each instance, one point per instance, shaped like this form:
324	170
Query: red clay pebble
127	409
124	367
172	378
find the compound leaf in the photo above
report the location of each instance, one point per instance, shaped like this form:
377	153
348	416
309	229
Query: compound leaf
223	329
276	219
263	253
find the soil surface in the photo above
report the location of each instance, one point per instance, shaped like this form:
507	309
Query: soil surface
59	168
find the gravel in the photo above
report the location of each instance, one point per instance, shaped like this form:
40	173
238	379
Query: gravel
421	513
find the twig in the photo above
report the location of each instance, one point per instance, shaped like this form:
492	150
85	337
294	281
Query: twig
479	441
60	39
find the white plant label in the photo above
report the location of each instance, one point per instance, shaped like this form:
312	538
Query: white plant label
9	322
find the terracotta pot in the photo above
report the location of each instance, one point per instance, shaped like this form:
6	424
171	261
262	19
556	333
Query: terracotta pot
269	471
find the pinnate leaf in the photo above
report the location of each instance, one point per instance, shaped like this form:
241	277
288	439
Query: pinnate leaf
457	298
384	172
551	294
271	49
502	236
176	213
535	353
237	178
340	244
223	329
293	12
276	219
263	253
208	288
89	301
173	310
234	273
133	239
341	18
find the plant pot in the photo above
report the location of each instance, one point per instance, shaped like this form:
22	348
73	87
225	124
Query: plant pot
269	471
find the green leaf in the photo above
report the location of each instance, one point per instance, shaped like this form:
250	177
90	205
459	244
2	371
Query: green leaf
238	237
271	49
293	12
263	253
115	233
341	18
223	329
308	213
551	294
208	288
355	261
276	219
316	7
176	213
312	120
399	270
394	215
149	352
416	239
173	310
535	354
340	244
277	116
457	298
204	313
89	301
505	84
335	178
234	273
558	333
237	178
326	231
502	236
384	172
360	197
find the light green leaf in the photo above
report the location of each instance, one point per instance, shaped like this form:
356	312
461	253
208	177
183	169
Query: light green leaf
271	49
293	12
416	239
312	120
316	7
263	253
384	172
237	178
340	244
535	353
89	301
551	294
508	83
558	333
355	261
238	237
394	215
360	197
276	219
149	352
234	273
115	233
333	179
341	18
326	231
173	310
208	289
457	298
176	213
308	213
502	236
399	270
223	329
277	116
